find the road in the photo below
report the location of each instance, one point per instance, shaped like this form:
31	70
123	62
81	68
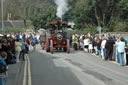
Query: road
76	68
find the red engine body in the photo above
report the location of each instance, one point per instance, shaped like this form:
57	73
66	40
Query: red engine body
56	37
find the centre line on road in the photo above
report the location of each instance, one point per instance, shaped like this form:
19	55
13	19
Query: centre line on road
25	73
29	72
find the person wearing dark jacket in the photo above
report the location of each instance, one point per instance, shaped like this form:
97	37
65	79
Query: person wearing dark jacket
98	44
5	47
109	48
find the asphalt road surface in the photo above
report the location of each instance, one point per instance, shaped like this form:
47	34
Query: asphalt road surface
76	68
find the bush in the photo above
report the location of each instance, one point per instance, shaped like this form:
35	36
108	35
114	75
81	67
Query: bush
91	29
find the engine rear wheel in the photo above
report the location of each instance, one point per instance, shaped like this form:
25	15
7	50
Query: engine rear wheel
67	46
51	46
46	44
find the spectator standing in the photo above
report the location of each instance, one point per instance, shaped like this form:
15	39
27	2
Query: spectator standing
28	44
90	46
76	43
109	48
12	45
35	41
103	43
23	36
121	50
23	47
18	36
98	44
94	45
0	44
86	43
70	39
81	44
31	37
42	43
18	49
125	42
73	37
6	48
3	75
114	39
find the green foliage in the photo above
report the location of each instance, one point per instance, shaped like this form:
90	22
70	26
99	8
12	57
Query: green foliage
80	13
121	27
110	14
13	30
40	20
124	10
90	28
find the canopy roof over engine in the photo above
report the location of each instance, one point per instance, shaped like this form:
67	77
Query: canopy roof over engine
57	25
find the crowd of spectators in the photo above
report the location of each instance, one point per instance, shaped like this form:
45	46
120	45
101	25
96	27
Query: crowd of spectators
108	47
13	48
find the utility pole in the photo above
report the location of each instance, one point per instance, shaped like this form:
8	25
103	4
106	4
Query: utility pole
2	14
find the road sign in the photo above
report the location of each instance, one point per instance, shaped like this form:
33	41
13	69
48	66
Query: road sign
99	29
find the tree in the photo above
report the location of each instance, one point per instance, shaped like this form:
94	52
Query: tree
80	12
105	13
23	9
43	18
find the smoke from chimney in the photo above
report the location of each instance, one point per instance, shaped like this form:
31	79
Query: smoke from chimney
62	7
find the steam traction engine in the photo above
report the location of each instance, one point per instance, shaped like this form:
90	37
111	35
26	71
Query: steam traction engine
56	38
